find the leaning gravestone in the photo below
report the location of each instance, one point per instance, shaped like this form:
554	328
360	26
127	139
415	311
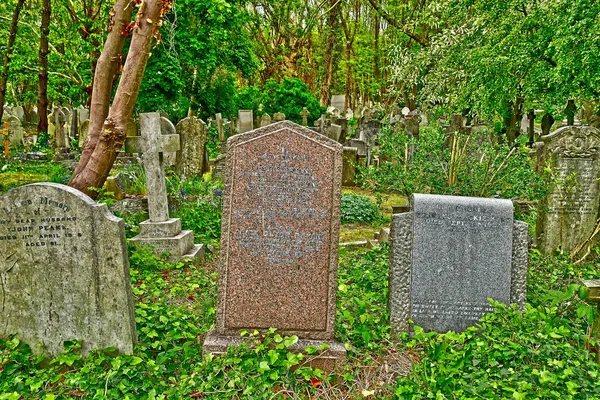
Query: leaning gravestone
193	134
64	271
449	255
160	231
280	232
568	216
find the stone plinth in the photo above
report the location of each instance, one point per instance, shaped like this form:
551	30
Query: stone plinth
449	256
280	232
64	270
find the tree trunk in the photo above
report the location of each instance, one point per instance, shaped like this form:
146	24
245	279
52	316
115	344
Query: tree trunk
42	103
328	57
9	49
376	67
107	128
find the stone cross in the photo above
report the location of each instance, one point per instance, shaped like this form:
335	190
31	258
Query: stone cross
153	144
531	128
570	111
305	113
219	120
547	122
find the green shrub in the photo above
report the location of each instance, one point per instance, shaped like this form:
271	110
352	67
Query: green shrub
478	166
358	209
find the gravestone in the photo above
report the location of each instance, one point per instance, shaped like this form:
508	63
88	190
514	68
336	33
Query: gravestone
169	158
570	111
15	126
531	127
245	121
350	160
83	114
193	134
338	101
304	114
449	255
278	117
18	112
280	234
84	129
221	132
567	217
547	122
64	270
334	132
160	231
265	120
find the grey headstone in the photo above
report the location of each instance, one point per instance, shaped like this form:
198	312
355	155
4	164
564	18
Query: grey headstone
338	101
265	120
568	216
15	126
83	132
245	121
193	134
449	256
64	271
169	157
278	117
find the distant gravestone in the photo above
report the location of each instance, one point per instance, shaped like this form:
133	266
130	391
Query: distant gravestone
280	237
570	111
15	126
546	125
350	160
193	134
18	112
265	120
278	117
64	271
84	129
245	121
449	255
160	231
568	216
305	114
169	158
339	101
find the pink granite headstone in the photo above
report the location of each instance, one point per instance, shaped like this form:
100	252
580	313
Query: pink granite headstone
280	232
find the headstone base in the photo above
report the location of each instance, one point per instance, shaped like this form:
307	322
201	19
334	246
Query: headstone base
329	360
167	237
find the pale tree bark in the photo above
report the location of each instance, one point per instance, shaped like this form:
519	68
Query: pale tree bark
9	49
334	7
42	103
107	126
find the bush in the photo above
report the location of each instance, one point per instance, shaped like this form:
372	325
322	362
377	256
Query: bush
478	167
355	208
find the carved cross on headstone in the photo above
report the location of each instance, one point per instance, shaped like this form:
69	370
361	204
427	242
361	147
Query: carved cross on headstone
153	144
304	114
570	111
547	122
531	128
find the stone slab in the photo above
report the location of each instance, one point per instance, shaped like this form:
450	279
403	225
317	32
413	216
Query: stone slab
567	218
176	246
442	281
168	228
280	232
64	271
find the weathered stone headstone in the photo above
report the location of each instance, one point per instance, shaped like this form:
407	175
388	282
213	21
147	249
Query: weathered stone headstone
221	132
338	101
193	134
449	255
568	216
15	126
83	114
349	166
305	114
160	231
83	132
245	121
547	122
64	270
570	111
280	237
169	158
278	117
265	120
18	112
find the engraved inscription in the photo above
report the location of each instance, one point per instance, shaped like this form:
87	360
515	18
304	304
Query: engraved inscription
48	225
577	188
445	309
